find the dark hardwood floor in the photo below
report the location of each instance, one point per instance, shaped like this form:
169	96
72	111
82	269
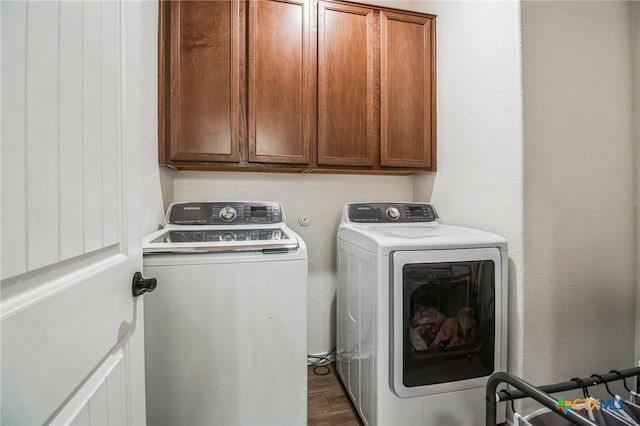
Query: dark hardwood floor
328	402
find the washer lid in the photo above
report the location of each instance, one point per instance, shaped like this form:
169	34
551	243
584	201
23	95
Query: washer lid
412	232
190	239
383	239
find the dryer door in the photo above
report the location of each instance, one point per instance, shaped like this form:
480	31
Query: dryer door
446	310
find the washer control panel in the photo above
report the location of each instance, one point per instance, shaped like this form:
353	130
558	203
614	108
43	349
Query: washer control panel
225	213
224	235
391	212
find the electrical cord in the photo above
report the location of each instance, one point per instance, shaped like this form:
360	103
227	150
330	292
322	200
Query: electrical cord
321	362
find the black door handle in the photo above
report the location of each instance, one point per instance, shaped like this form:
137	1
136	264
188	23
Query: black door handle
141	285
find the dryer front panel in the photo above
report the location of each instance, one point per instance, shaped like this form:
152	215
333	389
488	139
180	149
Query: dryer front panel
445	332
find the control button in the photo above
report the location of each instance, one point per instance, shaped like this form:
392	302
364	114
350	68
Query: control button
393	213
227	214
228	236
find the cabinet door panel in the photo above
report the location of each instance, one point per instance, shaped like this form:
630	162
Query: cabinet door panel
347	63
204	92
407	108
281	81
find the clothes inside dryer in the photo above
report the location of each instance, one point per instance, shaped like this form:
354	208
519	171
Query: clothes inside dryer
449	321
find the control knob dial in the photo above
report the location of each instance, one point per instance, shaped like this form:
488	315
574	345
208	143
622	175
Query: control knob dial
393	213
227	214
228	236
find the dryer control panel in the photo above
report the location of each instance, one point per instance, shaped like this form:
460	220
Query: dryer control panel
225	213
391	212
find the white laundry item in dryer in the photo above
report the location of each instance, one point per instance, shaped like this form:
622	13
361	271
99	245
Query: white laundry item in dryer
226	328
421	315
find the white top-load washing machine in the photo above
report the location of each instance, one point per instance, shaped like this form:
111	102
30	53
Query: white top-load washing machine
421	315
226	328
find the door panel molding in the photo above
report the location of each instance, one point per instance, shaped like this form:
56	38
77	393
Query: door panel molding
37	286
104	391
63	145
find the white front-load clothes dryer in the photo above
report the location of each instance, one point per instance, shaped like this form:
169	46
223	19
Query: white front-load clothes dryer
226	327
421	315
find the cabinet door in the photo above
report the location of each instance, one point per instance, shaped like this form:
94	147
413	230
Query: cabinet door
281	81
205	80
407	85
347	120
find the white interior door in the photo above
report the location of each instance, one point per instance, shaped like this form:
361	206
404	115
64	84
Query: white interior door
71	332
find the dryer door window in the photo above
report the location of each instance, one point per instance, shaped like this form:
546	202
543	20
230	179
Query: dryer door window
445	314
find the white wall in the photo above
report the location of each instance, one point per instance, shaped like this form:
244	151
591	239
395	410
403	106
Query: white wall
579	189
479	178
321	197
153	210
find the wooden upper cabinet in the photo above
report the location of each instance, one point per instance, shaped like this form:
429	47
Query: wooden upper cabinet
281	81
407	91
296	85
204	92
347	63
